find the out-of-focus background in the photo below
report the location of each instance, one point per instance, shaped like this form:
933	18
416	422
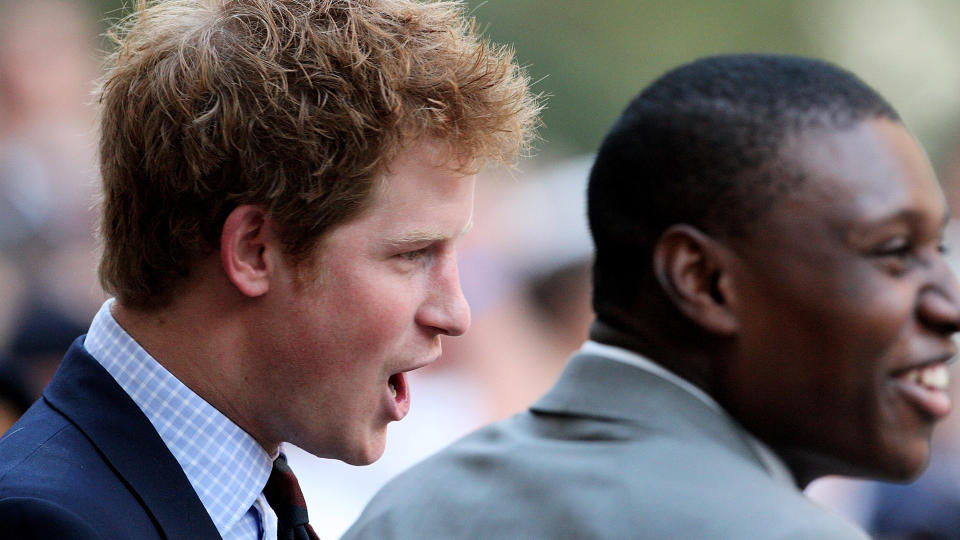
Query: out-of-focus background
526	264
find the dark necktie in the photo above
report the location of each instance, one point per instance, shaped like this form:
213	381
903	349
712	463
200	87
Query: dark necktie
283	493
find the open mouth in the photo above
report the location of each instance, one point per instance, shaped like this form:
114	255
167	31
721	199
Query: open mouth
398	390
397	383
399	395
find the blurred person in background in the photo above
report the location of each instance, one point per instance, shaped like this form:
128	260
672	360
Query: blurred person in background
14	394
47	180
285	184
929	508
40	337
47	125
772	306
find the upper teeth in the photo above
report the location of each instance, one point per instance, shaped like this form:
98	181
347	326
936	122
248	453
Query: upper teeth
393	389
936	376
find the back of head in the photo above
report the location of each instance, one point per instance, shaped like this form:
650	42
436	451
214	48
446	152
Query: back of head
293	105
701	146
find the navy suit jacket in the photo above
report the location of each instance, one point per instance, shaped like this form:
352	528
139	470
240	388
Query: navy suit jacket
85	463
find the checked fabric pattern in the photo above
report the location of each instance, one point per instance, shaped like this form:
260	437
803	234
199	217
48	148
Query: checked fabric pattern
283	493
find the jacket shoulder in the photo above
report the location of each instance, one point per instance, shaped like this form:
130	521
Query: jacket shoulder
52	476
551	477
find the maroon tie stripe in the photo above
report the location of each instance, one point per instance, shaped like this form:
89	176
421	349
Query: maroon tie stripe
283	493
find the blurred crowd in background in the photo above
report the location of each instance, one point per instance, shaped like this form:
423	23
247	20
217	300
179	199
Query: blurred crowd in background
525	266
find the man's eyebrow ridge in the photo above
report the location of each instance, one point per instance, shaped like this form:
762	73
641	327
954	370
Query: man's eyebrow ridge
414	237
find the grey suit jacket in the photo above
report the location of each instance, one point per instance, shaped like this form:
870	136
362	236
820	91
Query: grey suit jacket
612	451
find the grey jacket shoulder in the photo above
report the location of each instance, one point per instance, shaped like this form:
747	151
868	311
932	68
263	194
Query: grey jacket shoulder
639	461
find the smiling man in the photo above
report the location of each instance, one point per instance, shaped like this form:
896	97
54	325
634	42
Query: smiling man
285	183
772	306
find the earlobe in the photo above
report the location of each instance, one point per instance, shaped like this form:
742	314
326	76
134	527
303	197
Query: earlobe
244	241
693	273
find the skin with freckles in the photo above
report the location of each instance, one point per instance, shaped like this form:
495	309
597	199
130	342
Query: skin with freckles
840	287
386	290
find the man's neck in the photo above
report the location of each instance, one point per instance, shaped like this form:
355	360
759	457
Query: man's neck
203	348
688	363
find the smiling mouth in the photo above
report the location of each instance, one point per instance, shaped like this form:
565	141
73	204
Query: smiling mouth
925	387
935	376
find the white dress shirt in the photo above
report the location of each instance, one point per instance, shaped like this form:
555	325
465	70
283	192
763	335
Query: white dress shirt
223	463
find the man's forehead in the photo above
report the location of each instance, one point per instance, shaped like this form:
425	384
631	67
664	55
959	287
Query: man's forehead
875	169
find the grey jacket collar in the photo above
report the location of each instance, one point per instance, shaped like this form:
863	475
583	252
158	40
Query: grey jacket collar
593	386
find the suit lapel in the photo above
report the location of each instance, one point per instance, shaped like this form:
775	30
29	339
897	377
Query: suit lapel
597	387
86	394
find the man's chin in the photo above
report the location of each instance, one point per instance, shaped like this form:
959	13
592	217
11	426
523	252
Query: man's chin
359	451
892	465
904	458
365	453
907	468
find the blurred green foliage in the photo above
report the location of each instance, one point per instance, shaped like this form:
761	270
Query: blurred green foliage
590	57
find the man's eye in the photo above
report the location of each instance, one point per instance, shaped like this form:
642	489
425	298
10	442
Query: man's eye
414	255
900	247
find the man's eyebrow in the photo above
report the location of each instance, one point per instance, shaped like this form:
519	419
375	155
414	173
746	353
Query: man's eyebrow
912	215
417	237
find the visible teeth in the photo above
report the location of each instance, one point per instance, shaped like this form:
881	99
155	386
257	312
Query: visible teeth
936	377
393	389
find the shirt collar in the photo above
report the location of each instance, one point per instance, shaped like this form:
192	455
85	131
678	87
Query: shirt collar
770	460
224	464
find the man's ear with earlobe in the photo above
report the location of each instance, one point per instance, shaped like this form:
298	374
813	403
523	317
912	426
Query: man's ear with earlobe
693	270
247	237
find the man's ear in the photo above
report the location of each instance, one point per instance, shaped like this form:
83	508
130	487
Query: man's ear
693	270
244	243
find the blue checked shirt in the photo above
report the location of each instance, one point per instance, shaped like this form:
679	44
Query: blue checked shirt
223	463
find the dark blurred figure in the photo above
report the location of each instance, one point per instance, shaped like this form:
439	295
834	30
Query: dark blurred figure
14	397
42	335
928	509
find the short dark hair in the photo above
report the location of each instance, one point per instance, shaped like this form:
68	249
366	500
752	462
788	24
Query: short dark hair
702	145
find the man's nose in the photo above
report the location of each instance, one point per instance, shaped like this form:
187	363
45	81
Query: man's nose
939	306
446	309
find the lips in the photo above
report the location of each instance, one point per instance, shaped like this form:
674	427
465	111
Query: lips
398	396
397	391
925	387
